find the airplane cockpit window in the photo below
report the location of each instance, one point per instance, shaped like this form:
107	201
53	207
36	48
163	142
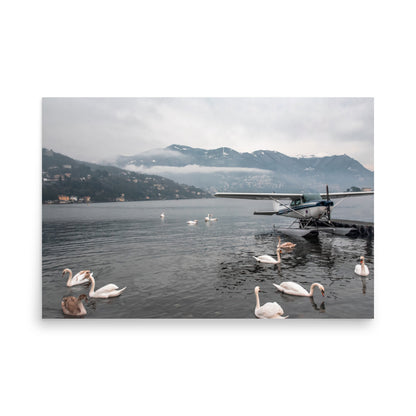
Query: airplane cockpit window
311	197
295	202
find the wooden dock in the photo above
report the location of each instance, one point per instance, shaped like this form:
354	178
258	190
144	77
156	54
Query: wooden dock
358	228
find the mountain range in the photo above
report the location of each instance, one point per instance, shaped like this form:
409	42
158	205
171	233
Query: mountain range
225	169
67	180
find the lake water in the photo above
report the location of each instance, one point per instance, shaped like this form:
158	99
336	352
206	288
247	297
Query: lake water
174	270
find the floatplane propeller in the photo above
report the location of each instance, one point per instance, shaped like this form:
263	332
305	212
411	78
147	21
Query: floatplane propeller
307	208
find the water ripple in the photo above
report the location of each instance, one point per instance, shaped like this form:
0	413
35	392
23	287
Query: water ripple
172	270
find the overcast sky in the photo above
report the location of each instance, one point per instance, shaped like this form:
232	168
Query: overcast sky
97	129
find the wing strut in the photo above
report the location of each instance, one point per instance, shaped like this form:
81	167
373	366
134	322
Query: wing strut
288	207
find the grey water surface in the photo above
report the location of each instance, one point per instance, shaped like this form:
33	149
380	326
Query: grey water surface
175	270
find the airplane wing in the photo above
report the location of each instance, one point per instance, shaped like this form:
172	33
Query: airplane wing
275	196
254	195
346	194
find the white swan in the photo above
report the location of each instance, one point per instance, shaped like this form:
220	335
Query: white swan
107	291
292	288
209	218
79	279
192	222
270	310
73	306
361	268
265	258
286	245
162	215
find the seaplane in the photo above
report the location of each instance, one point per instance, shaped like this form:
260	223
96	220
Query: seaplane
311	211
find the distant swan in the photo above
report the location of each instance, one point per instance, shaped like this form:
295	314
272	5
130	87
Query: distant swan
292	288
270	310
192	222
73	306
209	218
361	268
107	291
79	279
265	258
286	245
162	215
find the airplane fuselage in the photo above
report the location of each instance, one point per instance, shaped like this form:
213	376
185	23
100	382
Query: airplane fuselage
309	210
303	207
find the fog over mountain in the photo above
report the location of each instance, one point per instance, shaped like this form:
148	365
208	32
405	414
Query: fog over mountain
224	169
96	129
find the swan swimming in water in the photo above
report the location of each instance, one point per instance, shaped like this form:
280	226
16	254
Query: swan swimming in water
361	268
265	258
107	291
162	215
79	279
286	245
270	310
73	306
192	222
209	218
292	288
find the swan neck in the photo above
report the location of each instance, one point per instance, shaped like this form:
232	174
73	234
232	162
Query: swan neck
68	282
257	300
92	288
312	287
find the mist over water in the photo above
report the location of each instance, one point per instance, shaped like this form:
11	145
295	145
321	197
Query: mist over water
174	270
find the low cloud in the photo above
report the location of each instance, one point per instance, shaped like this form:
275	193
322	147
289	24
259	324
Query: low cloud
188	169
